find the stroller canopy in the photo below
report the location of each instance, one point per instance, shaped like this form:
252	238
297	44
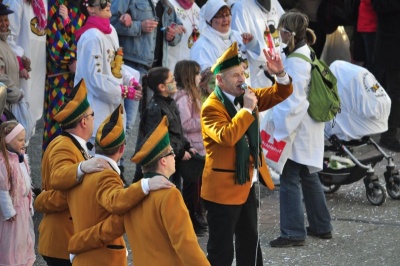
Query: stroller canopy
364	103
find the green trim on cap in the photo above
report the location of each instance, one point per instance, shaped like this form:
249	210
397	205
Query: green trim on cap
78	112
117	142
157	149
226	64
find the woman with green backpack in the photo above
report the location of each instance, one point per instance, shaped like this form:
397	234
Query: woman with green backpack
299	178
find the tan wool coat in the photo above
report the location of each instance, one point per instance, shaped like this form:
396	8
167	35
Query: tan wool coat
160	232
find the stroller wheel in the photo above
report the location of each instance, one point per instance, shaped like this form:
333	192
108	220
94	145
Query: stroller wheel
376	194
329	189
393	190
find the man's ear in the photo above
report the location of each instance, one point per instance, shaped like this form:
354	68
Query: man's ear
122	149
83	122
218	78
162	161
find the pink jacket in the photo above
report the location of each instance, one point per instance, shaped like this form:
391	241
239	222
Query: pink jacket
18	180
190	121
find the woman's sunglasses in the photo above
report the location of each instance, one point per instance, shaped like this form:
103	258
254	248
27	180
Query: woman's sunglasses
103	3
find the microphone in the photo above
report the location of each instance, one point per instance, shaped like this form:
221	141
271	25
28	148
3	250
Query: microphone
244	86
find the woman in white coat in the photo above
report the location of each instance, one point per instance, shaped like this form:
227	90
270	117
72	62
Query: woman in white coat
299	176
28	26
99	63
217	35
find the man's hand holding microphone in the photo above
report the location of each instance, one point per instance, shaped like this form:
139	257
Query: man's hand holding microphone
249	100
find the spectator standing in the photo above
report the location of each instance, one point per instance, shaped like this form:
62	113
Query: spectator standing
299	178
28	26
162	82
388	34
188	100
366	26
230	131
310	8
260	18
9	65
12	68
17	237
64	18
188	13
100	63
145	28
217	35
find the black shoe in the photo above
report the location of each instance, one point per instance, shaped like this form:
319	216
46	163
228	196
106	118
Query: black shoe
201	220
281	242
327	235
36	191
390	144
198	221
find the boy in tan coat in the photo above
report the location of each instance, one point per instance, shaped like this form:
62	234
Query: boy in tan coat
161	219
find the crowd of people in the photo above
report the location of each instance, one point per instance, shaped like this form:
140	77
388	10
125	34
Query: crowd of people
197	75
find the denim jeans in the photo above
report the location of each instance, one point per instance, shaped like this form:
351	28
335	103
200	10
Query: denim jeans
297	183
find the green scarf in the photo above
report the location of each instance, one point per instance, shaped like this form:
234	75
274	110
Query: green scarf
243	150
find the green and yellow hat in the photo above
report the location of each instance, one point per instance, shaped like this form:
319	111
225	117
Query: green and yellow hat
153	145
111	132
227	60
75	105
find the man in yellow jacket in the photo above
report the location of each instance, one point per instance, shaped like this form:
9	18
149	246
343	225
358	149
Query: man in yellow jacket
234	159
64	164
102	194
159	229
161	219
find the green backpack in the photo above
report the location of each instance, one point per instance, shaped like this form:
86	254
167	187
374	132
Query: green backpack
323	94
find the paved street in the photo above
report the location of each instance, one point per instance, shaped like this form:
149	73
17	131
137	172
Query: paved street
363	234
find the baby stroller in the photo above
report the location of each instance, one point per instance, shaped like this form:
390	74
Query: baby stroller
352	154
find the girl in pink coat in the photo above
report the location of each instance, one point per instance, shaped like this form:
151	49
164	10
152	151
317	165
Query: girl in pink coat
17	238
188	100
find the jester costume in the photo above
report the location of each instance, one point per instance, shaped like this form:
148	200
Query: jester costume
61	52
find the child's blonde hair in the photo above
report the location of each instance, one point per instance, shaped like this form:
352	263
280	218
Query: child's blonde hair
5	129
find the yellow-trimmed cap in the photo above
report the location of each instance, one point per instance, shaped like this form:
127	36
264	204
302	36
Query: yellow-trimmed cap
227	60
75	105
110	133
153	145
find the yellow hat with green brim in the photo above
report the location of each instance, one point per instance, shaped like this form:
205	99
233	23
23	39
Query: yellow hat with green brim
227	60
110	133
75	105
153	145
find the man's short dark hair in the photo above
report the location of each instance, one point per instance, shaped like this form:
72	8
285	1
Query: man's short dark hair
107	152
152	167
73	124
